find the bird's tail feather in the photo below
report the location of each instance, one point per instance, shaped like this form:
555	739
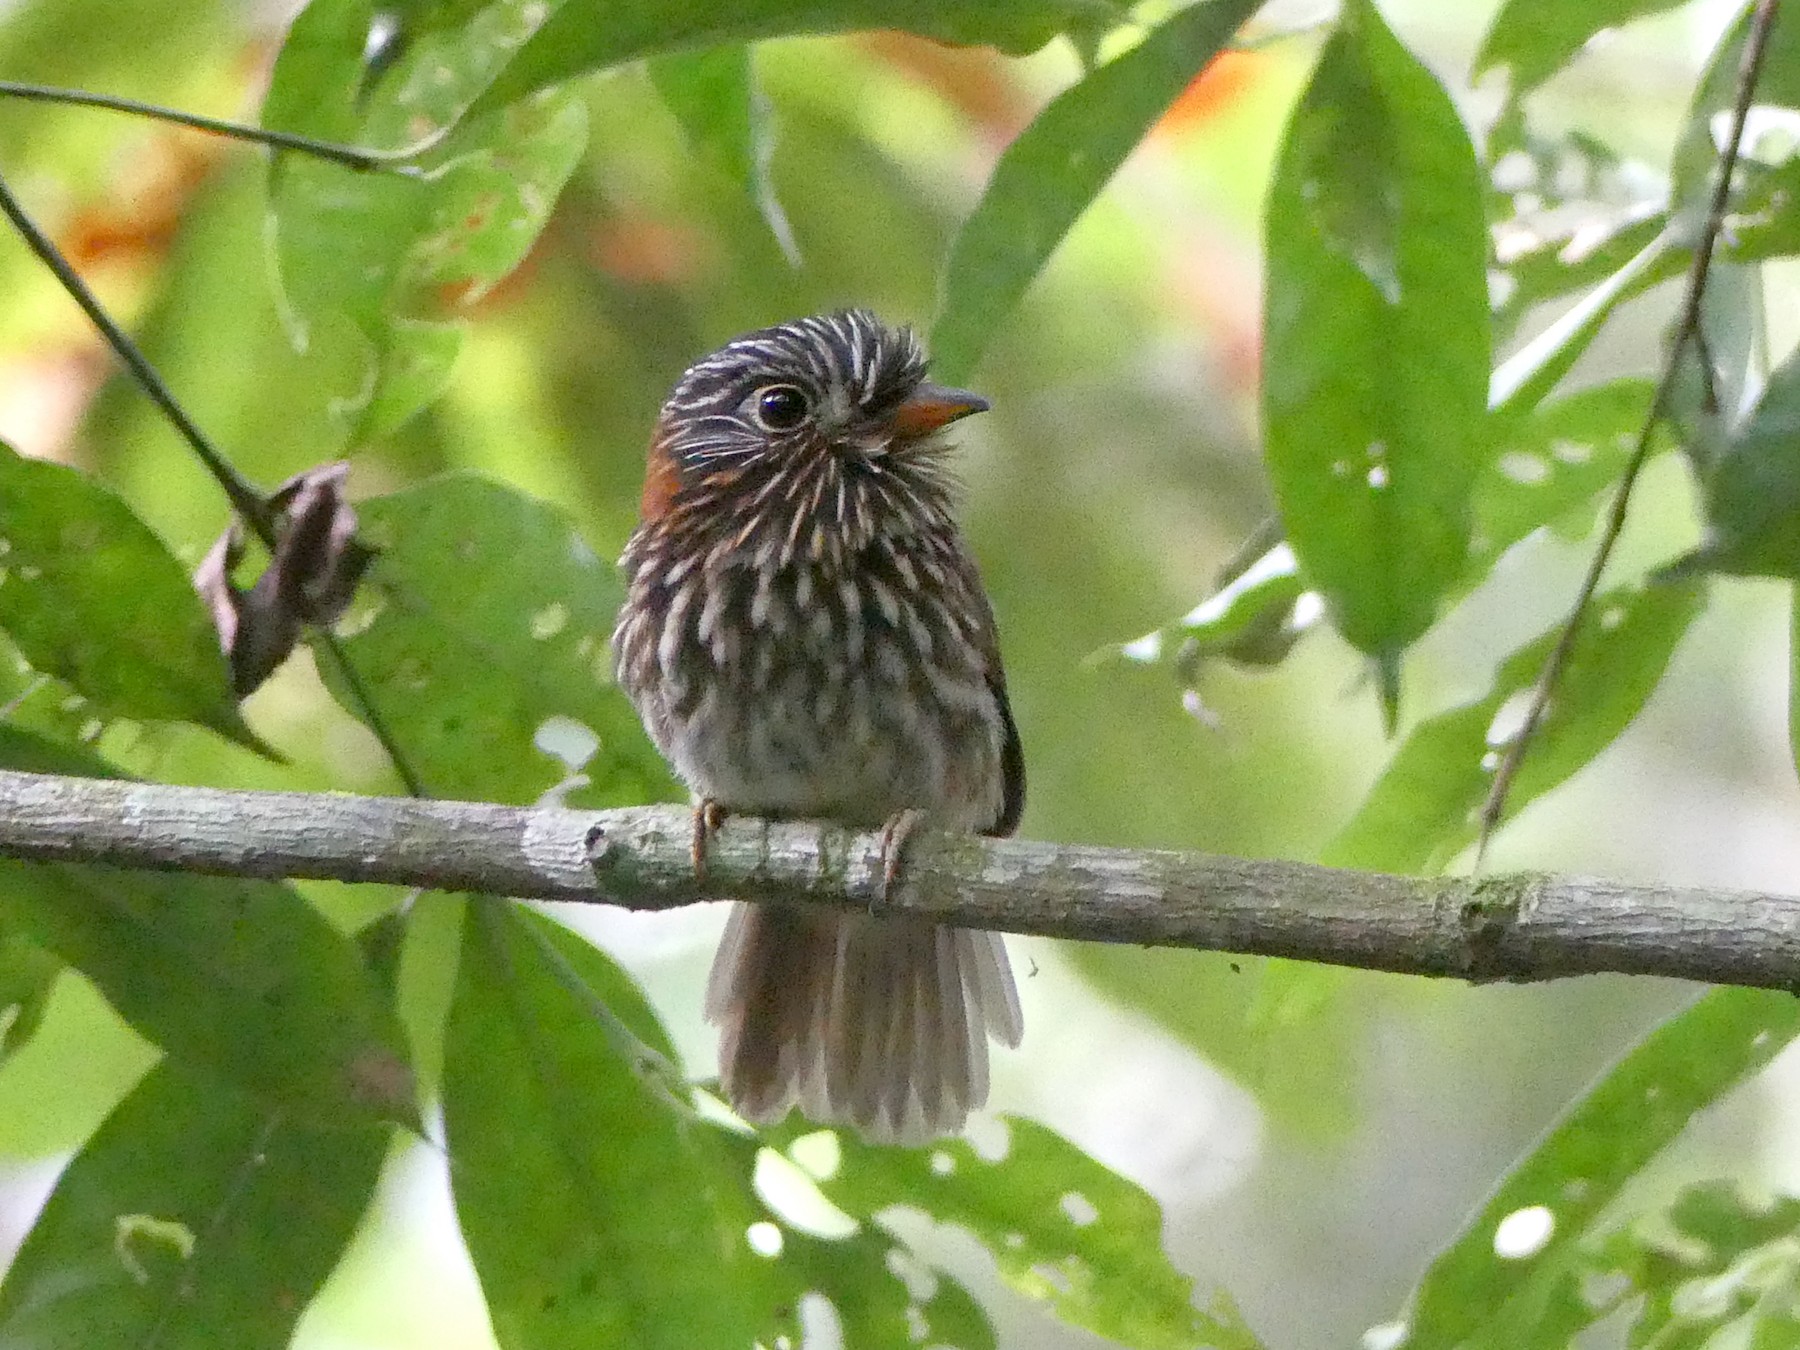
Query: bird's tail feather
880	1023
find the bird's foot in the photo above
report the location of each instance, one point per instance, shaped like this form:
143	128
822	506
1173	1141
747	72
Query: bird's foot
894	834
708	817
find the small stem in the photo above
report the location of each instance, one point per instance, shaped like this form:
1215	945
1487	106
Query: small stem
359	695
350	156
1687	329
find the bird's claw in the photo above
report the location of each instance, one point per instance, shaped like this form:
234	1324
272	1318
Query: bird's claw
708	817
894	834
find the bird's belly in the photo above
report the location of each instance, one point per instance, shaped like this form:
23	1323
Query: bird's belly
855	749
835	714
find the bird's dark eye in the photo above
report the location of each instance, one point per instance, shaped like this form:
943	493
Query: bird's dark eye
781	407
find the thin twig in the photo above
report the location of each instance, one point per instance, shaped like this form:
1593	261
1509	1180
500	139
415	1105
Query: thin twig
1502	928
1687	329
350	156
360	696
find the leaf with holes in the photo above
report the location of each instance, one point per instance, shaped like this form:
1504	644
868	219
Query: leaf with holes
882	1293
1567	211
1423	810
241	978
1553	463
484	618
1062	1228
579	36
90	595
194	1218
1474	1295
1713	1263
1376	338
1058	165
382	260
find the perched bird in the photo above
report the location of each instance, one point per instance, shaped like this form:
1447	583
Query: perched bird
805	636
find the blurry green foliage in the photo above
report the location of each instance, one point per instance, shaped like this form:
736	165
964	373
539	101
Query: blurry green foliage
1426	807
388	254
512	299
1061	1227
1534	39
1056	166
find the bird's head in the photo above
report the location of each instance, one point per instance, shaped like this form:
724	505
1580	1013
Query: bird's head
805	437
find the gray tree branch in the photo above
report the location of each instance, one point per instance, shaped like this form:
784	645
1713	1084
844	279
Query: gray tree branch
1519	927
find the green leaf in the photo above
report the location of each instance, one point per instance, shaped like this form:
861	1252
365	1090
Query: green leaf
1751	488
1553	463
27	975
241	978
90	595
1567	210
1423	810
485	617
570	1123
593	1203
1472	1296
194	1219
79	1065
584	35
1763	219
714	95
383	261
1376	337
1059	164
1536	38
884	1293
1251	619
864	1276
1709	1260
1062	1228
1526	377
425	15
1558	263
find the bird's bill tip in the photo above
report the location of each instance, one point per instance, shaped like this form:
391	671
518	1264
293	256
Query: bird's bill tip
934	405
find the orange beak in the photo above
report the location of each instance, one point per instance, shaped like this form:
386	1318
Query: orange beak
933	406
